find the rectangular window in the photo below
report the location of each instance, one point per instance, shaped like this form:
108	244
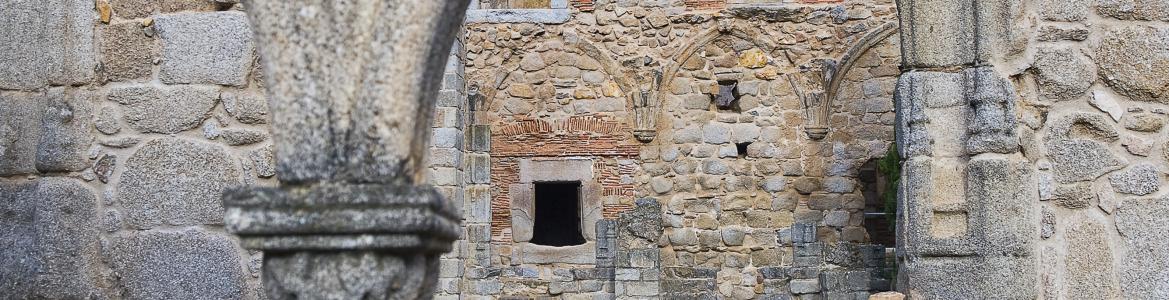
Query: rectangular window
557	219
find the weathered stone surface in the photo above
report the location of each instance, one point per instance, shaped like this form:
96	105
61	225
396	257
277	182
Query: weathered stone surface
1144	10
1063	73
213	48
887	296
1106	101
1134	60
349	275
264	159
130	9
1139	180
951	37
169	109
1089	273
1052	33
66	130
247	108
239	137
185	264
127	52
50	240
716	133
1074	146
104	167
175	182
1142	224
1144	122
46	42
106	120
20	130
1066	10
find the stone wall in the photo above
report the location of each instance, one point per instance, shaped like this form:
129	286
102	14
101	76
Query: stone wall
1075	207
1093	120
123	121
748	200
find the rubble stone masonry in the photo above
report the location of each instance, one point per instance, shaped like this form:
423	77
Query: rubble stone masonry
721	146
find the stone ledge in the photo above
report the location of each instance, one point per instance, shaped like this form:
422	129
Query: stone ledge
541	16
338	216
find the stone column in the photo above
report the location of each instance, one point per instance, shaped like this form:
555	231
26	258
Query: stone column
352	88
967	213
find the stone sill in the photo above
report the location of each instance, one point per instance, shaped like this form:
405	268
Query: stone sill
540	16
557	13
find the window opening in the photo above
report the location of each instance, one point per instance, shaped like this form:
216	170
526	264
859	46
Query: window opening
557	218
728	95
742	148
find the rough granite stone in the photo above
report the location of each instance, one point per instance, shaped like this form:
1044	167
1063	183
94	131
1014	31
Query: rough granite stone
184	264
66	130
1144	122
174	181
131	9
1063	73
247	108
166	110
1134	61
264	159
46	41
127	52
209	48
240	137
20	130
49	234
1089	263
1139	180
951	37
106	120
1142	224
1066	10
1143	10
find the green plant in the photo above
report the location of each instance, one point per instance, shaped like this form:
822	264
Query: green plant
890	168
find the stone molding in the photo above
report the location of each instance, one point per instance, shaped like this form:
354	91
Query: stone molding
341	217
557	13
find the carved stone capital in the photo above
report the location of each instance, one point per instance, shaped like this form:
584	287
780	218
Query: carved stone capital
342	216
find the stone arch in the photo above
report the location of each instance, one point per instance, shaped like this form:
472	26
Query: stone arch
609	67
725	28
850	57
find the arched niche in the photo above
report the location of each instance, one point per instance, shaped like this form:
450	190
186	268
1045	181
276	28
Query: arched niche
570	43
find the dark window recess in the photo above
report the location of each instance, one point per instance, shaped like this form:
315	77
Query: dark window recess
728	95
557	214
742	148
877	218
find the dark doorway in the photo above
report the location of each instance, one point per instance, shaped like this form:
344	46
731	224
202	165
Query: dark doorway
878	215
557	214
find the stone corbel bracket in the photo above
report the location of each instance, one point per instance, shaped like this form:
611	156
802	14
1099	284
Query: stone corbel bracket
818	124
810	85
334	217
645	113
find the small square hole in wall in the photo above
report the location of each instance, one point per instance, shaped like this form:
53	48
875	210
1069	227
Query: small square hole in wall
728	95
742	149
557	218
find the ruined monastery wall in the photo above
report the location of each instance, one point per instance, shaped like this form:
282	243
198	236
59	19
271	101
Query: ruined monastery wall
712	149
